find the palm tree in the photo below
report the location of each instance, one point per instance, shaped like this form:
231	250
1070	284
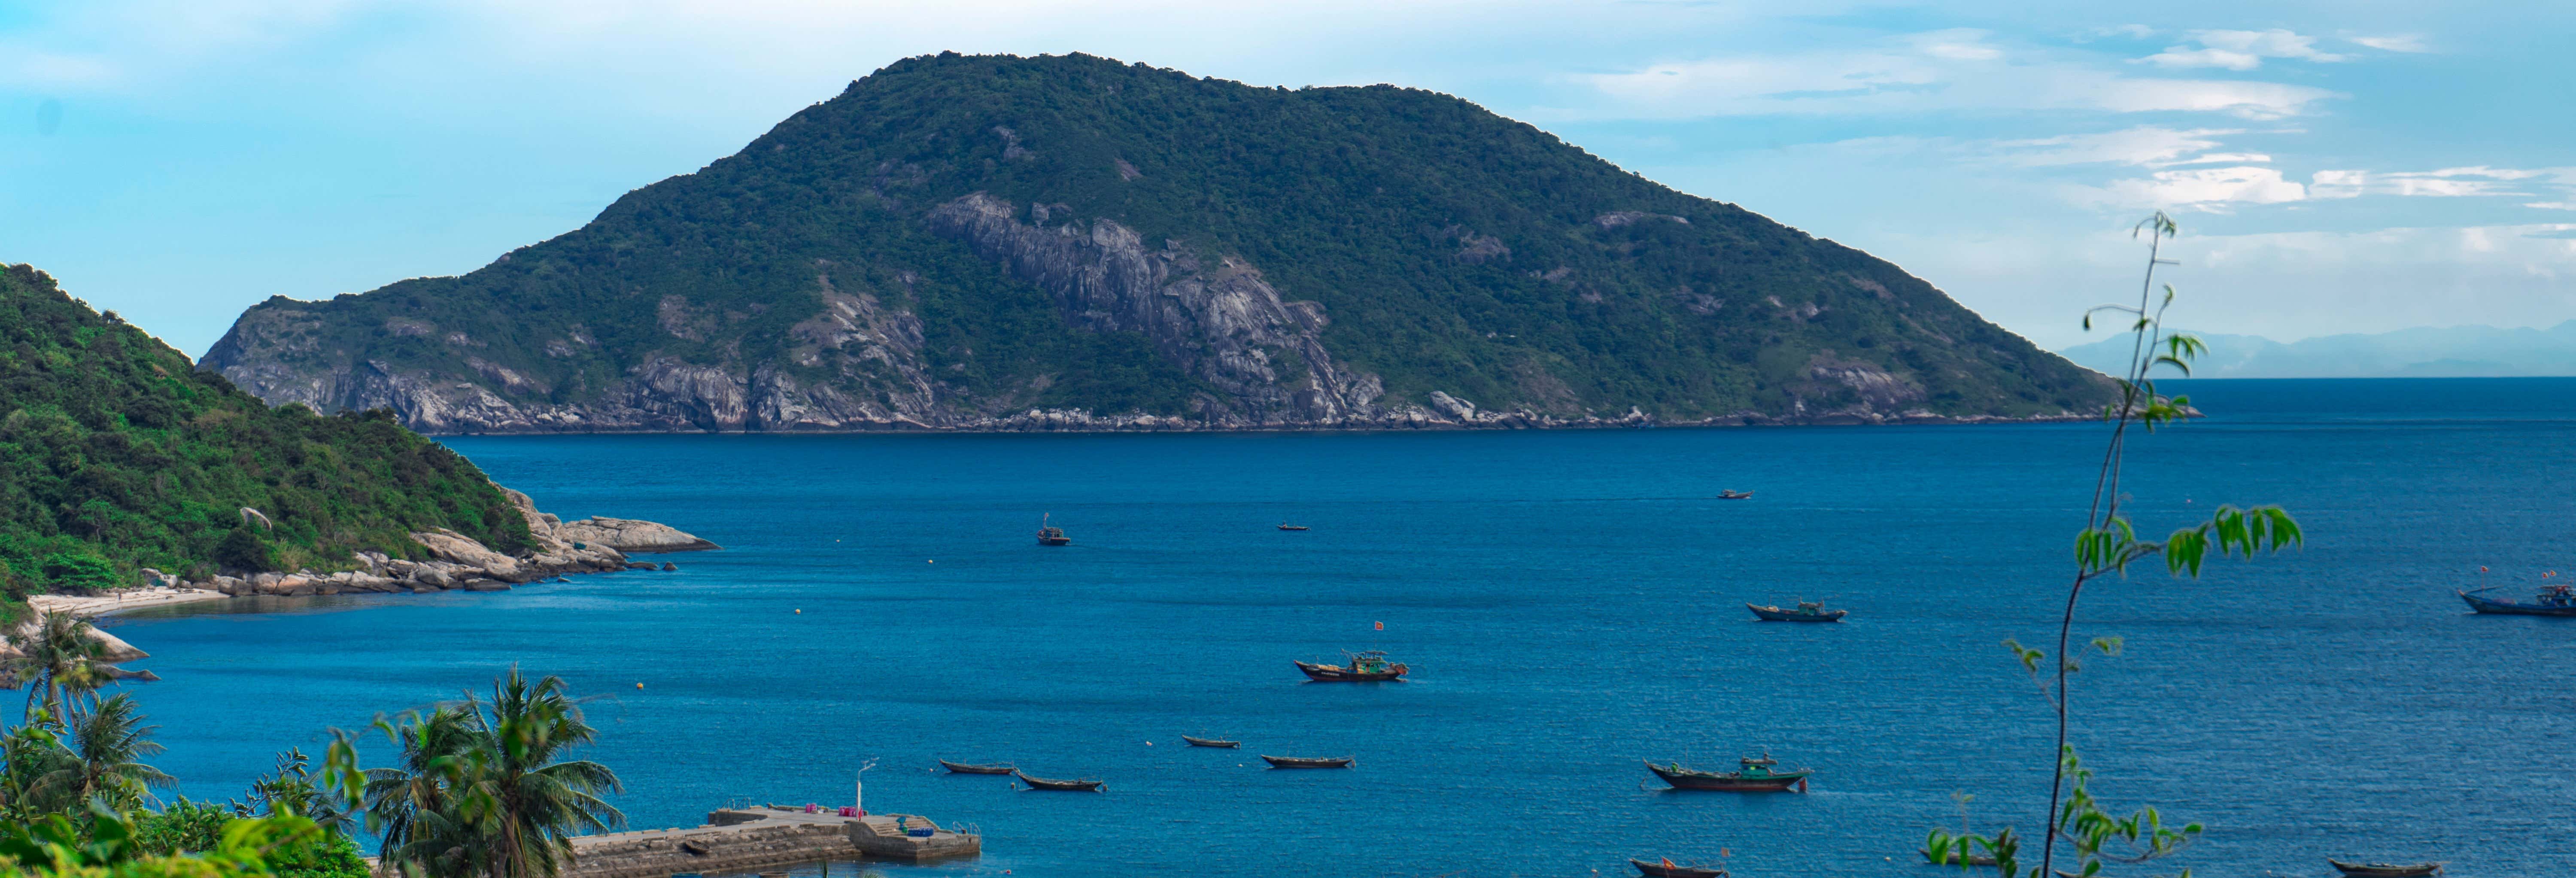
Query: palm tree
419	807
60	661
541	802
105	749
482	789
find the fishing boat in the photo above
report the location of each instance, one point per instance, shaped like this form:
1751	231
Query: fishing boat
1807	611
1286	526
1365	667
1049	535
968	768
2386	870
1973	859
1734	495
2553	600
1211	742
1666	869
1758	774
1295	762
1040	783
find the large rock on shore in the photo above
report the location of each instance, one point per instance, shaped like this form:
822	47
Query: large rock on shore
629	535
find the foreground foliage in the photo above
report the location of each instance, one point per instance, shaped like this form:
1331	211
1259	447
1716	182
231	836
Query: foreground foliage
482	790
116	454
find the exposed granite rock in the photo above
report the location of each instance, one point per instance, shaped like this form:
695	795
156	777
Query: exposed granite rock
629	535
1217	319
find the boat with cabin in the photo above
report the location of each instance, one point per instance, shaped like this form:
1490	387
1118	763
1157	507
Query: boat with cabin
1364	667
1806	611
1756	774
1050	535
2553	600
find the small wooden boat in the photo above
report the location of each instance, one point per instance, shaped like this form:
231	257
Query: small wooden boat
1757	775
2555	600
1735	495
1050	535
1807	611
1040	783
969	768
1973	859
1211	742
1287	526
1295	762
1666	869
2386	870
1365	667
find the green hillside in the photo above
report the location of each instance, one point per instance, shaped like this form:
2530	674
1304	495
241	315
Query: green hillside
116	454
1446	249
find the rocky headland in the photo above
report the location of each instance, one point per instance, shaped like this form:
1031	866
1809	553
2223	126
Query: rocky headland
456	563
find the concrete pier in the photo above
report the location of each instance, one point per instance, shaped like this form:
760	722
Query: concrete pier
748	839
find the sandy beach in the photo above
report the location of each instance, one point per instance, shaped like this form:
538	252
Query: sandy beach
113	602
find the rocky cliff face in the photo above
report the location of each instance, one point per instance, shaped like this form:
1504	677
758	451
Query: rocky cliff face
1073	244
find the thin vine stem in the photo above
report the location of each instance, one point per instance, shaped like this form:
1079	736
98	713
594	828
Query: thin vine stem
2104	508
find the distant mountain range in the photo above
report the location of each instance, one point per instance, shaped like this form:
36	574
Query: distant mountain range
1001	243
2425	352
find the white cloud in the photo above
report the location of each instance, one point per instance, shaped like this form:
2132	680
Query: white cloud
2553	205
2142	145
2444	183
2202	189
2131	31
2242	49
2395	43
1941	70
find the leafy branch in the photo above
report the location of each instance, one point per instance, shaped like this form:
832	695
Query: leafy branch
2106	546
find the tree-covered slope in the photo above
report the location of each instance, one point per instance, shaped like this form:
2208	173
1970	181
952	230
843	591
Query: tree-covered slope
955	241
116	454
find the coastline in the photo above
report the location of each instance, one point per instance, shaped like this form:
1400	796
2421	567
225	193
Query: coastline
1081	423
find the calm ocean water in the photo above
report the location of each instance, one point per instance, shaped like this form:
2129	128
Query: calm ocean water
1571	603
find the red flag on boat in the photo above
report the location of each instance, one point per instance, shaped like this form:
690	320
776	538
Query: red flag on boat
1668	862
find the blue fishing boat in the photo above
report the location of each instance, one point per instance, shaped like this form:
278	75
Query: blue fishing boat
2553	600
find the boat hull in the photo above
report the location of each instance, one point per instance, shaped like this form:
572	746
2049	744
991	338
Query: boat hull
2509	608
1074	786
1210	742
1330	674
964	768
1055	541
2386	870
1658	870
1775	614
1973	859
1294	762
1776	783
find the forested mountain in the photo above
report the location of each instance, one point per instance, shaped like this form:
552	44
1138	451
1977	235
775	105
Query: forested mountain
116	454
999	242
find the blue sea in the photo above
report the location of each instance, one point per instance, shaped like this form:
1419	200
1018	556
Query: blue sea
1571	604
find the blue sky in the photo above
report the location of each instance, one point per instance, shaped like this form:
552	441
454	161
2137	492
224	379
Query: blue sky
2336	167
